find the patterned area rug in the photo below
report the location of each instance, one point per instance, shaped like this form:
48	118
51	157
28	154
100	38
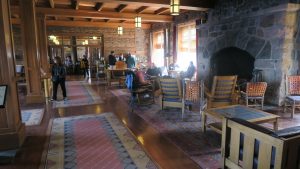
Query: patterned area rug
203	148
94	141
32	117
79	93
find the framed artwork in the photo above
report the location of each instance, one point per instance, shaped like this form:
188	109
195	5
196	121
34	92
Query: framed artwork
3	91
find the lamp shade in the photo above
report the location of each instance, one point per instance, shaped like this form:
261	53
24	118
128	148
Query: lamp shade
138	22
174	7
120	30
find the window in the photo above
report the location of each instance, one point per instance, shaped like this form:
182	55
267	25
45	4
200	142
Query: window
186	50
158	49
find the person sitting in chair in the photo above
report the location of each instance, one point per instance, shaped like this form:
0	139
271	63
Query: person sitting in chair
153	70
190	71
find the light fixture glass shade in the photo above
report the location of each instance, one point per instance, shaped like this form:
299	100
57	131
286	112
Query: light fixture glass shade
174	7
94	37
86	42
120	30
138	22
52	37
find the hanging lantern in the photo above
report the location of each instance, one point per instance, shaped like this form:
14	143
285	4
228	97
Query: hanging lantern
52	37
138	22
120	30
174	7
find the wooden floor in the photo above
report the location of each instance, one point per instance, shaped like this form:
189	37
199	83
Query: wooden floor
164	153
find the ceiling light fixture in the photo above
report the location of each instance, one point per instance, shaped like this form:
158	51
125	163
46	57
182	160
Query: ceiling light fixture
138	22
174	7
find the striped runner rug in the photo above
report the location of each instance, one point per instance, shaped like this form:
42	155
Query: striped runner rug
92	142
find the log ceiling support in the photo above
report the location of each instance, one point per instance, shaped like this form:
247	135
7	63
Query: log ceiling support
12	130
198	5
75	4
86	24
51	2
99	15
99	6
141	9
121	8
161	10
31	52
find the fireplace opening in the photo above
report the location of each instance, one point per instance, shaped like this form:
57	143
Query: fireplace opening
233	61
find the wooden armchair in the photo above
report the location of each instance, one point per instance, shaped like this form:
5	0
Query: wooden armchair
254	91
222	92
250	146
171	93
193	93
293	94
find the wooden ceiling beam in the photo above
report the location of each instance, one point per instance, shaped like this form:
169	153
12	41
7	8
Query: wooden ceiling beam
106	20
121	8
51	2
85	24
141	9
160	11
97	15
91	19
75	4
198	5
99	6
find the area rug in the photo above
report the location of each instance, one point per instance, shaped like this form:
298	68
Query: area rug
186	134
203	148
94	141
32	117
79	93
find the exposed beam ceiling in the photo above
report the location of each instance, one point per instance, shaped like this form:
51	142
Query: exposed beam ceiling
161	10
99	6
200	5
85	24
121	8
51	2
141	9
98	15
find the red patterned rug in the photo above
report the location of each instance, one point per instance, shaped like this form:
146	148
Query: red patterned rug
79	93
94	141
203	148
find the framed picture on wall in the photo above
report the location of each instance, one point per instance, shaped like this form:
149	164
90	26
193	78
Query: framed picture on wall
3	91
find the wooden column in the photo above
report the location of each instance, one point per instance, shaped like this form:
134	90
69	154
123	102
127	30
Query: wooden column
12	130
42	39
31	52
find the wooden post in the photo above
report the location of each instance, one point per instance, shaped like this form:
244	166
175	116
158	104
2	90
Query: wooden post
12	130
43	47
31	52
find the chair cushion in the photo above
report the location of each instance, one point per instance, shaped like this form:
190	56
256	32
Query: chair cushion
296	98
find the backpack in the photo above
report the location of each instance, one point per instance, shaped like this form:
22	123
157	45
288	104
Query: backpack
131	80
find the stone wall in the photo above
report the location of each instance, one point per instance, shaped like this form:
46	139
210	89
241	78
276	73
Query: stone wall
135	41
266	29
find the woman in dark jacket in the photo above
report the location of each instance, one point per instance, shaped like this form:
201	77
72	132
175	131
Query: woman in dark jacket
58	78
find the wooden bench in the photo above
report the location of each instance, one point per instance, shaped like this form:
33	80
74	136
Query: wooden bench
247	145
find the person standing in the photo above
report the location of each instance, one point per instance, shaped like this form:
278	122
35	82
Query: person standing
112	59
85	66
58	73
130	61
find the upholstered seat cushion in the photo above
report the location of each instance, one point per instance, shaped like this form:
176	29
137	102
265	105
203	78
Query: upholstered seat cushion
288	132
296	98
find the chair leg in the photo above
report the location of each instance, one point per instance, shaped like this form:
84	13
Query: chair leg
247	102
293	112
262	103
182	110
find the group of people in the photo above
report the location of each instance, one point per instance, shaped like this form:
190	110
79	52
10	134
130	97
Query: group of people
112	59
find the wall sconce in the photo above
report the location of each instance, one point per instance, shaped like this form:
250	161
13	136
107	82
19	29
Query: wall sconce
174	7
138	22
120	30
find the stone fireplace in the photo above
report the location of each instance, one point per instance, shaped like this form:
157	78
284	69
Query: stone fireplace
241	36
